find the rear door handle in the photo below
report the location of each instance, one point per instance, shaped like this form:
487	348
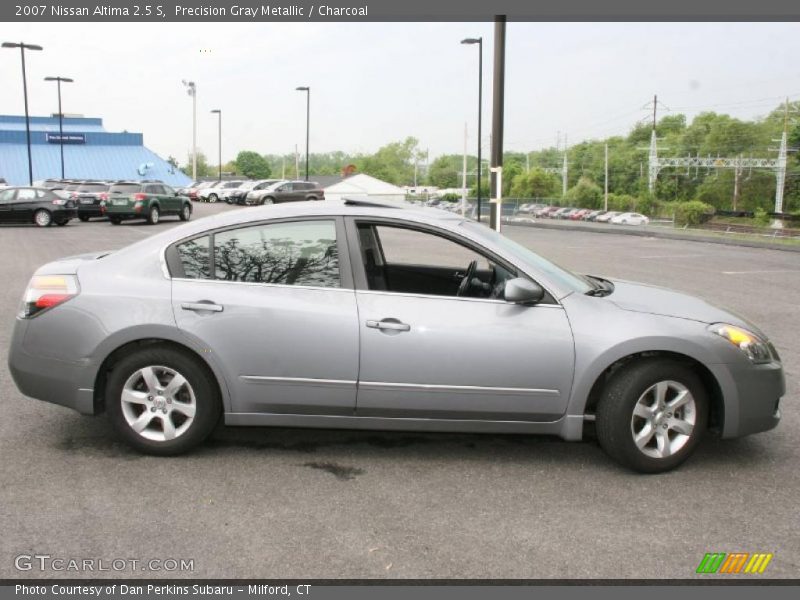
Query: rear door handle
389	325
203	305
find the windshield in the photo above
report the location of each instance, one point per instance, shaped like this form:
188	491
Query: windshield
561	276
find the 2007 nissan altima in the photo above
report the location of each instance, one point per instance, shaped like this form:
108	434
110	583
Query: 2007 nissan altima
361	315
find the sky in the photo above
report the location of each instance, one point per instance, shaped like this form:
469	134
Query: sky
375	83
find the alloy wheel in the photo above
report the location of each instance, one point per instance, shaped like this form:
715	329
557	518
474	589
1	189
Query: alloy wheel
158	403
663	419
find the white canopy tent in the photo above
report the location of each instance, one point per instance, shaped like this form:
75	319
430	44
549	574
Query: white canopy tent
362	185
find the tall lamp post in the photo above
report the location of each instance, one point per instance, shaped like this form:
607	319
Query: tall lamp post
307	90
58	81
191	89
22	47
478	41
218	112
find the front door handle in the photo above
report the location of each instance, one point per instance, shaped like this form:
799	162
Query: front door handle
389	325
203	305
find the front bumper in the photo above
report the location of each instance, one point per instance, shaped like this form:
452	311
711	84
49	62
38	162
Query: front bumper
751	395
64	383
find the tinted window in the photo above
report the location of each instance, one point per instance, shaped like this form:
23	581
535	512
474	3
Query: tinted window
154	189
168	190
125	188
302	253
26	194
7	195
194	258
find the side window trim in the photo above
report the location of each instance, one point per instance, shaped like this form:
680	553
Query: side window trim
175	266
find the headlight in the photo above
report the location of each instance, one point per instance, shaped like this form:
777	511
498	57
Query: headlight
756	349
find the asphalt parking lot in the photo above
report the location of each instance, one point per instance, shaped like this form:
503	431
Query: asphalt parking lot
272	503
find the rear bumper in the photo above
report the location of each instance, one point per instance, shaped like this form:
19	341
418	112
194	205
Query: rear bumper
50	380
751	397
90	210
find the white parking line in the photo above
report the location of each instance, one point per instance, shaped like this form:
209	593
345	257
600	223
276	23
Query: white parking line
761	271
671	256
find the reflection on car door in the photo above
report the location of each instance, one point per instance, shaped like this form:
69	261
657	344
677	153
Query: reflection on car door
276	311
442	356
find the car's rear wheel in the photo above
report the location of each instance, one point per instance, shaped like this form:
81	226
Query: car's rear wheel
42	218
62	222
153	216
83	218
212	198
652	414
162	401
115	220
186	212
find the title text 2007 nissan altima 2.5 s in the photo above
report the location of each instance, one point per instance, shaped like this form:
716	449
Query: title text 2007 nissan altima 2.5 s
361	315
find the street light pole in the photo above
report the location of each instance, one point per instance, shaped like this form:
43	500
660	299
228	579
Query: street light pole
219	114
191	89
58	81
478	41
22	47
307	90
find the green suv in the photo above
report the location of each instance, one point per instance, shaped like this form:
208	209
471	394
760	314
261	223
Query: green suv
148	200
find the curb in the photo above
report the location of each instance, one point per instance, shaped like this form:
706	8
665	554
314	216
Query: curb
667	235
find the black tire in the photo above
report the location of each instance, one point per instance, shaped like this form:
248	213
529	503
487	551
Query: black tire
42	218
115	220
186	212
62	222
207	400
614	417
212	198
83	218
153	215
268	200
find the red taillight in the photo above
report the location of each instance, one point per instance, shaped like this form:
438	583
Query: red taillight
47	291
140	196
50	300
103	196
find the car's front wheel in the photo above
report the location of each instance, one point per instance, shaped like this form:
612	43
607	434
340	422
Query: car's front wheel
652	415
212	198
162	401
186	212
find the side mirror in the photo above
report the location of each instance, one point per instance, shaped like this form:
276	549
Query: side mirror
523	291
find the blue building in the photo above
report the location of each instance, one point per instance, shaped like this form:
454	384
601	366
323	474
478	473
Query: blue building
90	152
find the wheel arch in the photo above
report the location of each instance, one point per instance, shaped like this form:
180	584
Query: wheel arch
712	386
119	352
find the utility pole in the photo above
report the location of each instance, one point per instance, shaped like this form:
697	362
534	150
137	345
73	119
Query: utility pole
737	172
296	163
22	47
191	89
464	176
58	81
283	168
606	180
498	99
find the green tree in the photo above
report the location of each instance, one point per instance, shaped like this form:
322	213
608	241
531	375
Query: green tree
585	194
393	162
203	169
253	165
536	183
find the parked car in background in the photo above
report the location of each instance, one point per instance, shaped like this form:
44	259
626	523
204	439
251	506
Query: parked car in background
568	214
606	217
239	195
194	190
145	200
560	212
546	212
50	184
168	336
630	218
579	214
591	216
35	205
217	190
287	191
89	198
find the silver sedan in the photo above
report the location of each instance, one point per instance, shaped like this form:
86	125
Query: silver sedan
361	315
